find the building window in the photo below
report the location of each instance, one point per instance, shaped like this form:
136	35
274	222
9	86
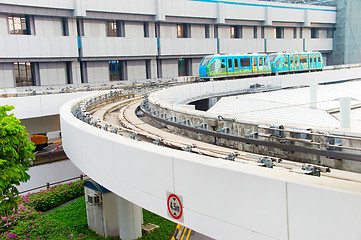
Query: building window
295	33
148	69
255	32
262	32
279	32
314	33
184	67
80	27
83	72
69	73
117	70
157	30
330	33
236	31
301	32
215	31
19	25
206	32
24	74
115	28
146	29
65	26
112	28
183	31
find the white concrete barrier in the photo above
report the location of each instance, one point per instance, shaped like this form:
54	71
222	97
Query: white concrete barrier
221	199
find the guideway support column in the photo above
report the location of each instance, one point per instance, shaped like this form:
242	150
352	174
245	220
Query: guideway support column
130	220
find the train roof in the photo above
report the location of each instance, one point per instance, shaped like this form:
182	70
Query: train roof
294	52
237	54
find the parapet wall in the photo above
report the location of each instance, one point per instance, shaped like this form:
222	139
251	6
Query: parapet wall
336	148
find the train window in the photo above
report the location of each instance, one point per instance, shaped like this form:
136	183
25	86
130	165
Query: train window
229	62
265	61
286	59
315	59
319	59
236	63
303	59
260	62
245	62
291	60
206	60
223	63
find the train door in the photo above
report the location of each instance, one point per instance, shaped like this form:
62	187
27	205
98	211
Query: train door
230	68
297	62
303	62
316	61
260	64
236	65
311	62
291	62
254	64
286	66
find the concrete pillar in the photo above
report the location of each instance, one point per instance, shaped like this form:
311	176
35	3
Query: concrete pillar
345	112
268	19
220	13
313	96
79	8
212	101
130	220
160	16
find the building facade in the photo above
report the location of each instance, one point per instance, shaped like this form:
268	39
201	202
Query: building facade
70	42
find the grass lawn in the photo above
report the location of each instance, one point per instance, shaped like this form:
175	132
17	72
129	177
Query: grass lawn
67	220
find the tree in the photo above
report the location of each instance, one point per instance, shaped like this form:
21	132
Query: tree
16	153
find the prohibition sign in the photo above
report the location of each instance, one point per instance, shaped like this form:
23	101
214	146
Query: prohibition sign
175	207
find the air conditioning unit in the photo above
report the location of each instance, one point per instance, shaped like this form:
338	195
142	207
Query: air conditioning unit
95	199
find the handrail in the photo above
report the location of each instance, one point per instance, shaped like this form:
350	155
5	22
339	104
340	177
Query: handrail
81	177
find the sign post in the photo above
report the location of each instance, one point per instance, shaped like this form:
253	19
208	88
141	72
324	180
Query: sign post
175	206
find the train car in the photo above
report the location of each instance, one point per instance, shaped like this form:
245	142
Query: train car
226	66
295	62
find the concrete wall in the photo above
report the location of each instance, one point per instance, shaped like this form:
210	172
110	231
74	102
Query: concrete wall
169	68
168	30
41	124
52	73
98	71
134	29
50	173
4	27
46	26
95	28
40	105
136	70
7	78
195	66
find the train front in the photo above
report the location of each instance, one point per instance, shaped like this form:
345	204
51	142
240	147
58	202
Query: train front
203	73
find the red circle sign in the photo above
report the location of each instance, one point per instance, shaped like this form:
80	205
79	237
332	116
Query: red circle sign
175	207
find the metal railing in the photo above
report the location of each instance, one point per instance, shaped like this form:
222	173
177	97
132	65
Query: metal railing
48	185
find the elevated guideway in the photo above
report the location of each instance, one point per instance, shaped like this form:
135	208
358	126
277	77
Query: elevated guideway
221	199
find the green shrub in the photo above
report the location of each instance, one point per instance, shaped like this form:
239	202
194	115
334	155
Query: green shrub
31	205
54	196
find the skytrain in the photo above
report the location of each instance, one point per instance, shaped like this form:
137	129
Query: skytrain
229	66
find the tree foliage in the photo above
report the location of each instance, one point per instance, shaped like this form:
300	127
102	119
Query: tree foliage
16	153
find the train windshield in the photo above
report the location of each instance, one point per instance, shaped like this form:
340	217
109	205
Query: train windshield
272	57
206	60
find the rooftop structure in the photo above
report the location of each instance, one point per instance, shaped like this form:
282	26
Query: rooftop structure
293	107
312	2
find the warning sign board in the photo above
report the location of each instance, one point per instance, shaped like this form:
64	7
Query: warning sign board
175	206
